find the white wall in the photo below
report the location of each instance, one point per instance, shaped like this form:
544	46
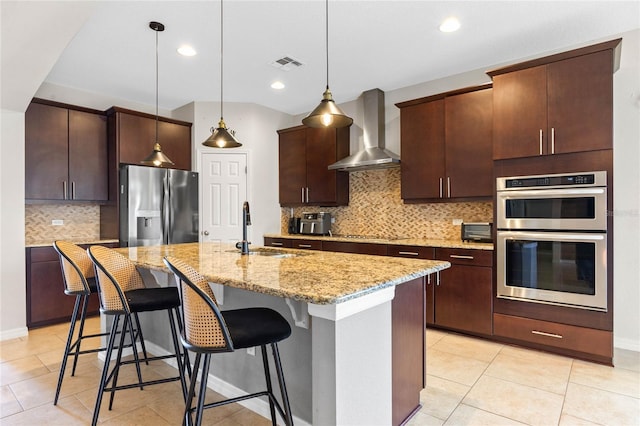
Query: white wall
626	196
12	255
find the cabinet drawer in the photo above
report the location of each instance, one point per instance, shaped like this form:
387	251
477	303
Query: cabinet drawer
307	244
465	256
360	248
579	339
418	252
43	254
277	242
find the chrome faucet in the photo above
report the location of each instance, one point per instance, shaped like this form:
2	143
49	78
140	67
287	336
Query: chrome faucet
246	221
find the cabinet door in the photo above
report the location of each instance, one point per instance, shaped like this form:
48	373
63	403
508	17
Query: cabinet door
463	299
136	137
519	113
321	152
469	142
422	147
580	100
46	158
175	140
292	165
87	156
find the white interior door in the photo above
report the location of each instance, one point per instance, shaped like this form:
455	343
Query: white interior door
224	189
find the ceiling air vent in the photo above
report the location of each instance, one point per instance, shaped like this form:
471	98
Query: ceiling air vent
286	63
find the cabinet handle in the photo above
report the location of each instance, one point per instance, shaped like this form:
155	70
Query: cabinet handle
460	256
542	333
553	140
73	190
428	279
440	187
276	244
64	189
540	141
448	187
304	245
302	194
438	278
410	253
307	194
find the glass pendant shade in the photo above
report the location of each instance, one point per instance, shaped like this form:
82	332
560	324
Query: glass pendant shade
157	158
221	137
327	114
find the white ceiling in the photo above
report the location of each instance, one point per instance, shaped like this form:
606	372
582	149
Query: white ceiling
385	44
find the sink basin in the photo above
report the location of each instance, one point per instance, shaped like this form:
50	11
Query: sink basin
263	251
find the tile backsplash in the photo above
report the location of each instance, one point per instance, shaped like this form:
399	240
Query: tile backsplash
376	209
81	222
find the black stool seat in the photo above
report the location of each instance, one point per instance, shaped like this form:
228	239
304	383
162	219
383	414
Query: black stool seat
255	327
152	299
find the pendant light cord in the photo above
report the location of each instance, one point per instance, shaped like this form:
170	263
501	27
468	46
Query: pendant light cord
221	58
156	86
326	33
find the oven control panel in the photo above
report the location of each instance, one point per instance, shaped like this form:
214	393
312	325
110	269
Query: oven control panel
560	180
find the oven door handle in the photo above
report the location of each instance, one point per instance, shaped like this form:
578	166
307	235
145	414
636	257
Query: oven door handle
547	193
551	236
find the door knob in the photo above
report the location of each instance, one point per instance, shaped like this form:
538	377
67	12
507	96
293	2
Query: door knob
206	232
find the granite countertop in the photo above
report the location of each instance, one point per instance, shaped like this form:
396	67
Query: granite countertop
425	242
31	244
310	276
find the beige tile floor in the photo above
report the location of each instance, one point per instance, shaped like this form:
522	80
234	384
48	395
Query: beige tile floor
470	382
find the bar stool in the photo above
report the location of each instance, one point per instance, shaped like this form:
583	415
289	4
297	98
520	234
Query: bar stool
207	330
79	281
123	293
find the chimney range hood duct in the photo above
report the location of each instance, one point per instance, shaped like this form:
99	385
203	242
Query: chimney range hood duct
374	155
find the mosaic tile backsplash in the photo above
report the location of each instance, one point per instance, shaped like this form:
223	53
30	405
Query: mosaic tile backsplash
376	209
81	222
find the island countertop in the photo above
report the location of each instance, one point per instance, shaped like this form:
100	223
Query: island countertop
310	276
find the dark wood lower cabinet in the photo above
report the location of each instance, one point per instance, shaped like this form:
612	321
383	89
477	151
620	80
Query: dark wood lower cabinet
408	350
46	301
579	342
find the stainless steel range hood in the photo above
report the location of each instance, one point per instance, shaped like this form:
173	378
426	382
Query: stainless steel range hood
373	155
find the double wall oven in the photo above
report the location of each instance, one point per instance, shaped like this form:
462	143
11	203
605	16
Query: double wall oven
551	240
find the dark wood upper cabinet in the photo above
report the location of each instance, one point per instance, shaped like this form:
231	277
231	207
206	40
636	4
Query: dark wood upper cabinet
132	136
555	105
446	144
304	156
65	153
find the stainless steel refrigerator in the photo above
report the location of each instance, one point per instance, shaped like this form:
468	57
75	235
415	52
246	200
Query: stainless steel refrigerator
157	206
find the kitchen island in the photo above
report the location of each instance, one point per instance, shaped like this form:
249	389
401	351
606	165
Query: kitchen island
356	355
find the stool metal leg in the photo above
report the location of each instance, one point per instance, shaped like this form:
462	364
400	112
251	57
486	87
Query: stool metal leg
105	370
186	419
283	387
176	347
267	376
203	388
144	348
67	348
77	352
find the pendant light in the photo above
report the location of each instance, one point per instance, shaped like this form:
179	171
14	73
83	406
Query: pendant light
221	137
157	157
327	113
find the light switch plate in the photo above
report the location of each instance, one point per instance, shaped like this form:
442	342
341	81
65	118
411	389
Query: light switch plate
457	221
57	222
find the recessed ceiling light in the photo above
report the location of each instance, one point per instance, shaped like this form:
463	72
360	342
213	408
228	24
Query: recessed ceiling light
450	25
186	50
278	85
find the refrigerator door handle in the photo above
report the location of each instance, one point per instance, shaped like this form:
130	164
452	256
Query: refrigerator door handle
165	210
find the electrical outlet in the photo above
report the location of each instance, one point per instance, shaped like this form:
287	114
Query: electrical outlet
57	222
251	351
457	221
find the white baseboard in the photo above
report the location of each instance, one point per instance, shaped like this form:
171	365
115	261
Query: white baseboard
628	344
226	389
14	333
